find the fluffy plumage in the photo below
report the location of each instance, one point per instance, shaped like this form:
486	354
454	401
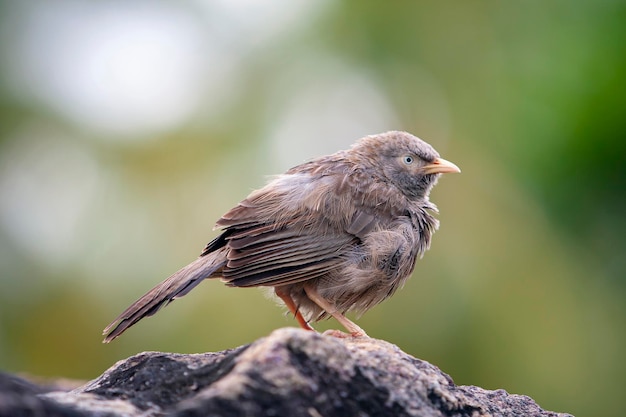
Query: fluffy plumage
339	233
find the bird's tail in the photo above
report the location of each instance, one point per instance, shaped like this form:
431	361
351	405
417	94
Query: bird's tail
176	286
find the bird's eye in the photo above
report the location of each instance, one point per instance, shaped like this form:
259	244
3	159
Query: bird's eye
408	159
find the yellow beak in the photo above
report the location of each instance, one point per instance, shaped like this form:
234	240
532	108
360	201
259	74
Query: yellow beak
440	166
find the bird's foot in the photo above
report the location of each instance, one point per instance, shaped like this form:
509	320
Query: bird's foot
343	335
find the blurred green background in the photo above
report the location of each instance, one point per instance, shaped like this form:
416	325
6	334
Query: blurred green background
128	128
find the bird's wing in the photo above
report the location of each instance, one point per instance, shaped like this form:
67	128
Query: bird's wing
282	257
294	229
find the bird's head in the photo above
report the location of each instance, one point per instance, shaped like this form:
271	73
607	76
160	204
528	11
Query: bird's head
405	161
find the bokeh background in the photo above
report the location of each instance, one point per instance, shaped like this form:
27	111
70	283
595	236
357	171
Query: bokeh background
128	128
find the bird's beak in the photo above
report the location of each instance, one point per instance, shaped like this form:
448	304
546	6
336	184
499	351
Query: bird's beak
440	166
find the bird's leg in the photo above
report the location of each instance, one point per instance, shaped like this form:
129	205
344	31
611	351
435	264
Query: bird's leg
293	308
314	296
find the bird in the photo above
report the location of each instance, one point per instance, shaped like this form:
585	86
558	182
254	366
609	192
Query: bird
335	234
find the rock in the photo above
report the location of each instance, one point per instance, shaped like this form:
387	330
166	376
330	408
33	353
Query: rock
291	372
21	398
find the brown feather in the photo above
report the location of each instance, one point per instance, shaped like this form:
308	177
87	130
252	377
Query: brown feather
344	228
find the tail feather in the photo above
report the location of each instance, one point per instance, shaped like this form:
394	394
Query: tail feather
176	286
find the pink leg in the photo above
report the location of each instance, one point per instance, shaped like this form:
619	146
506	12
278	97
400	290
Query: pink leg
293	308
355	330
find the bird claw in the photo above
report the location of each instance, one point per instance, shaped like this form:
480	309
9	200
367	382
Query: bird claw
343	335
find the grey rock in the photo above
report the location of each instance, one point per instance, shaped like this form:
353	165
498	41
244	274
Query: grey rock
22	398
291	372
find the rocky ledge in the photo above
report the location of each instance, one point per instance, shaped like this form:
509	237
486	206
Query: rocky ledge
291	372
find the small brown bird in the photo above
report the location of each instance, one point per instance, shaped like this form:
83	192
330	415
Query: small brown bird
339	233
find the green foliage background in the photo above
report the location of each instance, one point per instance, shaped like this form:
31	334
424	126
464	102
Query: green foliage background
523	288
